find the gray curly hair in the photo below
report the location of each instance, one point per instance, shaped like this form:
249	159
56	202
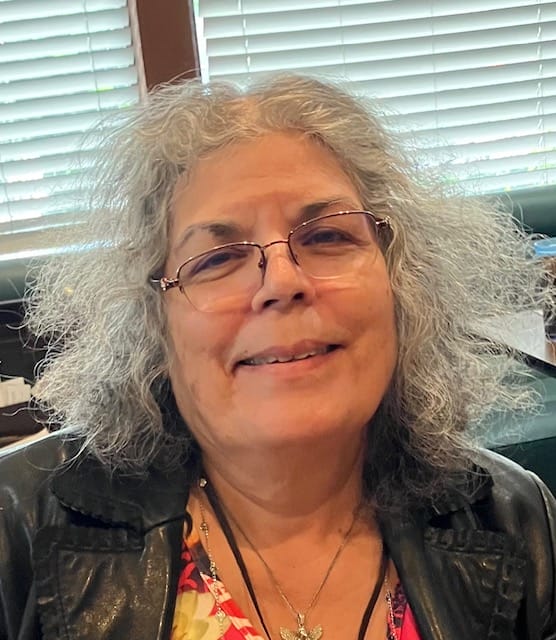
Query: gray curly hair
452	260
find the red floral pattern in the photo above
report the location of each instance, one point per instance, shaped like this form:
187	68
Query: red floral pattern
405	627
187	579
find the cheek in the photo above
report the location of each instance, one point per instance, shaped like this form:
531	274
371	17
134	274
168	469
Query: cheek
366	302
198	347
375	324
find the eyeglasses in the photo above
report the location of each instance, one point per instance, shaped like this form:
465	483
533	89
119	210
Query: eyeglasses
226	277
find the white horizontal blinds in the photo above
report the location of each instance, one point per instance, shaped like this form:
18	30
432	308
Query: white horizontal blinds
63	64
474	81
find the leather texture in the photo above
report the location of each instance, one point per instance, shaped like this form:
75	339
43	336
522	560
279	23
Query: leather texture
85	554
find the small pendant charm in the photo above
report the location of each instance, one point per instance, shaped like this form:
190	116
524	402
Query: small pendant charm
302	632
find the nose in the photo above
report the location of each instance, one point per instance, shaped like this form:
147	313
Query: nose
283	281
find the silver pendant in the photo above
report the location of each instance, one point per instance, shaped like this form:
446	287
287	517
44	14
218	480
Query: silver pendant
302	633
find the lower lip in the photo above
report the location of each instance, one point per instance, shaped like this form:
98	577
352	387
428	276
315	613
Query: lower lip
292	368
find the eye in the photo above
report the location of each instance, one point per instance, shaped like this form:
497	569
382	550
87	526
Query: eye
217	263
322	236
214	260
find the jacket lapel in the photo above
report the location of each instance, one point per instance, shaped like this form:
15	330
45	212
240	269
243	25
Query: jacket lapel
105	585
111	571
461	581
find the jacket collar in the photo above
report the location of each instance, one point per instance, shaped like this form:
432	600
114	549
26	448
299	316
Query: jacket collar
474	485
135	501
141	501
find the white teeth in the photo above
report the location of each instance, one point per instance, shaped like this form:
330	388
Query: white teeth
274	359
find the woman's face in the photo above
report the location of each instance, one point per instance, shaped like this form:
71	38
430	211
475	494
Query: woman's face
225	388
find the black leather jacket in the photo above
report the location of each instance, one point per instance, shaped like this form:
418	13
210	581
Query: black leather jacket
87	555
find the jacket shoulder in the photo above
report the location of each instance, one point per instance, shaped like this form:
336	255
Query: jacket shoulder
26	499
52	447
26	505
511	482
522	506
517	500
26	469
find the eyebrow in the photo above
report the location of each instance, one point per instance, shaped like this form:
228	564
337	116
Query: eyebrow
225	231
228	231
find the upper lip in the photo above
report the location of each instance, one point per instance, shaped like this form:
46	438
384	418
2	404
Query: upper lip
286	351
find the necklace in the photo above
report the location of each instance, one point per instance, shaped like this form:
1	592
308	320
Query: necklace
204	528
301	633
392	631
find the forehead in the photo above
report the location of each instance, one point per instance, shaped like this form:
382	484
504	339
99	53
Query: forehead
277	172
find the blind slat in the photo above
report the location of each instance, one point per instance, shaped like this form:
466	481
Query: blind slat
34	10
42	187
502	148
358	45
63	66
501	25
536	162
52	126
400	10
373	80
31	208
61	85
401	16
34	109
54	164
472	97
512	111
39	223
518	180
72	24
65	46
485	131
403	62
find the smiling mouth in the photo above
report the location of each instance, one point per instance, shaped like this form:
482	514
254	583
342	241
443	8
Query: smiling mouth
270	359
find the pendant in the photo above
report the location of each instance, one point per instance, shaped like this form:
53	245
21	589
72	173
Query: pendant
302	633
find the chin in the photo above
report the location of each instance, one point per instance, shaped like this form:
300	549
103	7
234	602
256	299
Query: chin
307	425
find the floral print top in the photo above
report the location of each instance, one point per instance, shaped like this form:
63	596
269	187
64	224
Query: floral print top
195	616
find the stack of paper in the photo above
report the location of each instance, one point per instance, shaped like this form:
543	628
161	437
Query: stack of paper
14	391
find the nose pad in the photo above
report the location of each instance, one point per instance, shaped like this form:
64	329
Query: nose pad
283	282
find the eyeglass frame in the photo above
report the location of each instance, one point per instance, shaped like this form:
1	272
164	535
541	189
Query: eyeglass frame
166	283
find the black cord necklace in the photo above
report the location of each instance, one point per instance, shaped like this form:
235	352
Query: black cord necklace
230	538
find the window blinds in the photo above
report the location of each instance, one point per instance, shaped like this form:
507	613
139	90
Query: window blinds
472	83
63	64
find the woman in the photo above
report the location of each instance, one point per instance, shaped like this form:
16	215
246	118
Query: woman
263	358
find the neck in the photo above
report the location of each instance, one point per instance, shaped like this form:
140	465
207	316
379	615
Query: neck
279	494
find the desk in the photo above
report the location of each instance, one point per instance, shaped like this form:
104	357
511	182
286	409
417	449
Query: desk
523	332
18	421
527	438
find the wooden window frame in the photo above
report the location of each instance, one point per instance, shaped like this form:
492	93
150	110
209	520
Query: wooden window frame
166	40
